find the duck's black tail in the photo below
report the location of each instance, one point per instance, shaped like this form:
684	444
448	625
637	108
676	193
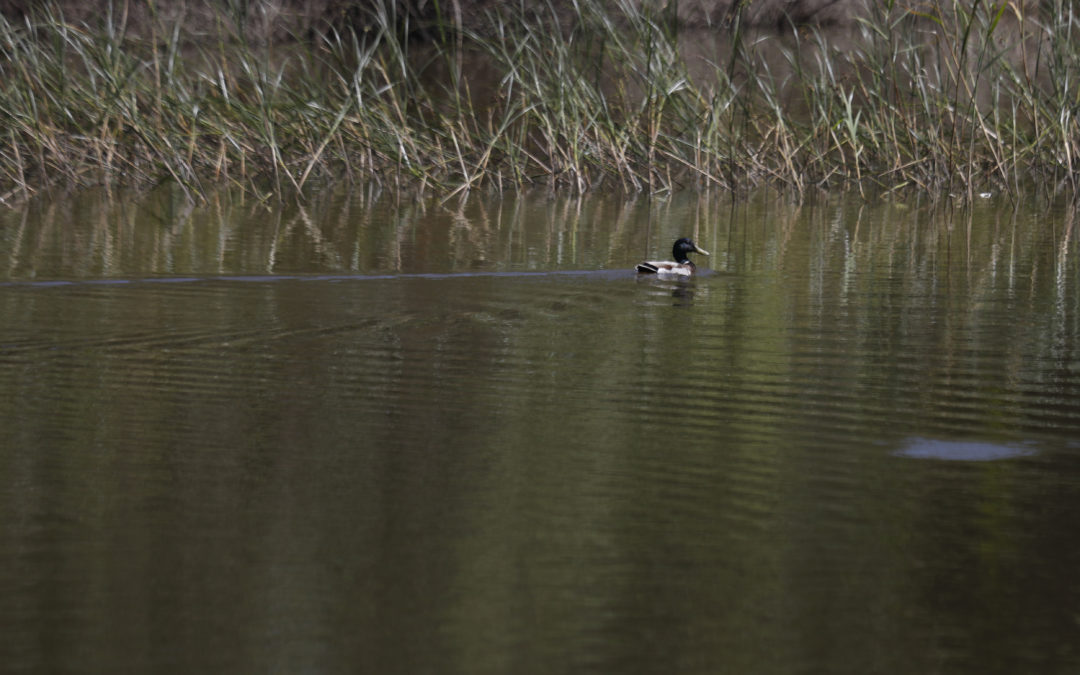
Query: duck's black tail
647	268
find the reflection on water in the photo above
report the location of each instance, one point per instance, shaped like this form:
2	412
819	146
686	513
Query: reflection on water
963	451
360	435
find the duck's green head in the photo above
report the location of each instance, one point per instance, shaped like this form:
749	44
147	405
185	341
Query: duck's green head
684	246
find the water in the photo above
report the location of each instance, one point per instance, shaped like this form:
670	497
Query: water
367	436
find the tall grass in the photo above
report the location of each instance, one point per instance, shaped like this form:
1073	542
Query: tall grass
959	99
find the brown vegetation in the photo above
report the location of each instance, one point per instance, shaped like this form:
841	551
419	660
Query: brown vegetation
263	20
952	99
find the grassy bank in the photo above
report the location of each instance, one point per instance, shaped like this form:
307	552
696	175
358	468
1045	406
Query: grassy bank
955	100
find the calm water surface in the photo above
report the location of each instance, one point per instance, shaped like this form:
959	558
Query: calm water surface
368	436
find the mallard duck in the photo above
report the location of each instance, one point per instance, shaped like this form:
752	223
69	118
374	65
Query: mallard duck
680	267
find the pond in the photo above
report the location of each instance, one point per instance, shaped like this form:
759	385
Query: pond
368	434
